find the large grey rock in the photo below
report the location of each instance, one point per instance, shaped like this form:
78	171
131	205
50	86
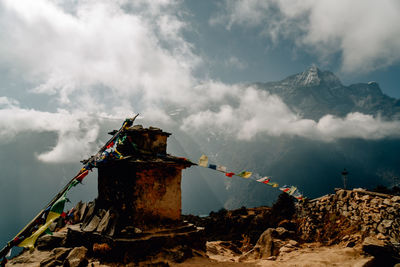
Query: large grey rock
376	247
60	253
92	225
387	223
77	257
56	258
103	223
268	244
381	229
47	242
90	211
77	209
82	211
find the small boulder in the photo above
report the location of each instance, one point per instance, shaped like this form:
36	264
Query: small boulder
286	249
396	199
77	257
268	244
387	223
103	223
60	253
375	247
48	242
366	197
294	243
380	236
92	225
381	229
387	201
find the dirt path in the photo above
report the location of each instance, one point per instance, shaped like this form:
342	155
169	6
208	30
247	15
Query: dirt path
308	255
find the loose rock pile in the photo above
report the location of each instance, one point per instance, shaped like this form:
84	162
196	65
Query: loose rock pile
333	217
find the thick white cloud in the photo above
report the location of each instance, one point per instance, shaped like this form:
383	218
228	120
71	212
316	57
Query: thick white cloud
364	32
107	58
258	112
76	131
137	54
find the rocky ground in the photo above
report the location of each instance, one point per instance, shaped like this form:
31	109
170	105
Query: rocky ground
268	251
348	228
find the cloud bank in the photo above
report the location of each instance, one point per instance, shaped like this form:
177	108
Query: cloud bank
258	112
363	32
97	59
76	132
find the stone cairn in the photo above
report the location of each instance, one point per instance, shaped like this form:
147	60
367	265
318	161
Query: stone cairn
348	212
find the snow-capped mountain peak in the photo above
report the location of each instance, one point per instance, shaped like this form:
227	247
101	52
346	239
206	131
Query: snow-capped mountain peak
313	76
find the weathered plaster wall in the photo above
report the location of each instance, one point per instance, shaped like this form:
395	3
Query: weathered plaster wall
158	193
141	192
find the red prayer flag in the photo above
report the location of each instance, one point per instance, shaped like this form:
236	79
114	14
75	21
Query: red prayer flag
82	175
110	145
229	174
266	181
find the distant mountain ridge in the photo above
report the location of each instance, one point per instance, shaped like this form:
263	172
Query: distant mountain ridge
313	166
315	93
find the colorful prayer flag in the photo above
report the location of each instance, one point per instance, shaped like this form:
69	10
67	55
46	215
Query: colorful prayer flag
203	161
292	190
229	174
273	184
264	180
245	174
298	195
110	145
73	183
284	188
212	166
54	213
221	168
82	175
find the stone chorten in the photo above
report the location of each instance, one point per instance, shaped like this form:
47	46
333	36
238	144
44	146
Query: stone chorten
144	187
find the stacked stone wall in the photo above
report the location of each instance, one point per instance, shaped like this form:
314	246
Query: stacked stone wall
364	212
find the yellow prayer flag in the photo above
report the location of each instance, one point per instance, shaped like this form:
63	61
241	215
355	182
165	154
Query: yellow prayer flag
245	174
54	213
292	190
273	184
29	242
203	161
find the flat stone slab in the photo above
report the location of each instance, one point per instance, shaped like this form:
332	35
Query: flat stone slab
141	246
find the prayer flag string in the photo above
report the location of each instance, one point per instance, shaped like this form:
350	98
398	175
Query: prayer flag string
291	190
